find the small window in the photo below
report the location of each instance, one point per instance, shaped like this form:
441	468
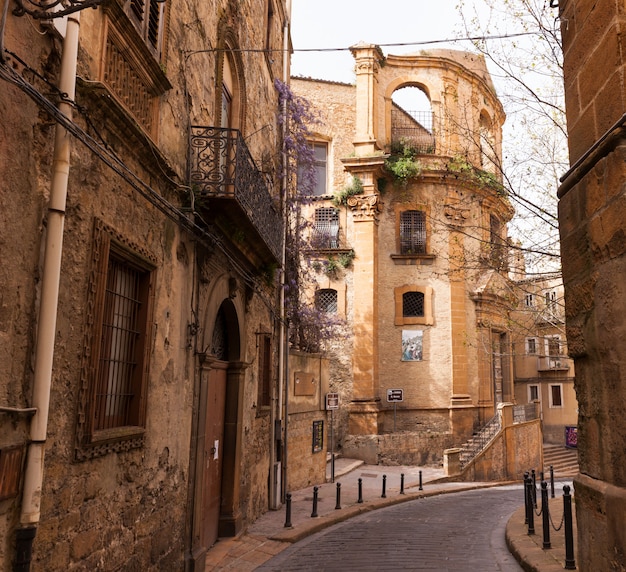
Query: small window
533	393
312	179
551	301
553	346
413	304
530	300
265	371
531	345
147	15
413	232
326	228
556	395
326	300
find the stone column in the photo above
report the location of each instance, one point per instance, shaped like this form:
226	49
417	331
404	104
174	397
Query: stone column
368	59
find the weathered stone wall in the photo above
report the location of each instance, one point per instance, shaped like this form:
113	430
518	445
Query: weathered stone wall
517	449
128	509
455	365
592	228
307	389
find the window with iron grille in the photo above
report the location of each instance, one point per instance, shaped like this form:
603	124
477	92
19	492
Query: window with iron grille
265	370
326	228
413	232
326	300
413	304
120	374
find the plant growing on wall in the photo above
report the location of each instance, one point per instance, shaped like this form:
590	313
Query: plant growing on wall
402	162
309	327
354	188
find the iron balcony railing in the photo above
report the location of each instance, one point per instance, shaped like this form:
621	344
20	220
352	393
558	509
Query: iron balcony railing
222	167
413	129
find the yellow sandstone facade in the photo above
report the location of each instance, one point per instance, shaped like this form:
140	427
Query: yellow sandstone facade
422	278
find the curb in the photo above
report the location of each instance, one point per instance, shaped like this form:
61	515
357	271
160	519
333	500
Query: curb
295	534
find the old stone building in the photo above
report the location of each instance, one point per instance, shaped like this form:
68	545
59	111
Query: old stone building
592	227
409	246
139	319
542	368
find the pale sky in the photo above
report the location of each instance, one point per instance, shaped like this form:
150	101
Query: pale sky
343	23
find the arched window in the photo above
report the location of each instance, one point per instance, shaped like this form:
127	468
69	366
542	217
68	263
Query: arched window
487	145
413	304
412	121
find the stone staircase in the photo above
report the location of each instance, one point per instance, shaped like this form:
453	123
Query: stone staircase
564	461
479	441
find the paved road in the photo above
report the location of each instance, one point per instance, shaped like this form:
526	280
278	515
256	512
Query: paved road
448	533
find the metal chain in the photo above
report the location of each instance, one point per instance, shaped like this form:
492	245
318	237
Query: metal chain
557	528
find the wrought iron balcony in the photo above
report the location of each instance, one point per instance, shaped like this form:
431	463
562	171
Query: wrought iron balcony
224	176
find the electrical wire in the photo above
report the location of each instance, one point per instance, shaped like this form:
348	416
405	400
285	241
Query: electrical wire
108	157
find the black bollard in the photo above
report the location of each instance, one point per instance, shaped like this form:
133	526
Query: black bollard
360	491
338	503
314	513
420	487
533	476
526	477
551	481
545	515
288	510
570	561
402	483
384	495
531	506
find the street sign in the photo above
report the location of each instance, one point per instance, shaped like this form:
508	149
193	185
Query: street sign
332	401
395	395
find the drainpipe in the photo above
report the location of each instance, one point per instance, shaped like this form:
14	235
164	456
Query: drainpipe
278	496
44	351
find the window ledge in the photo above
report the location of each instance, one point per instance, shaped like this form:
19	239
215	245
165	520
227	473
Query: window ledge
111	441
412	259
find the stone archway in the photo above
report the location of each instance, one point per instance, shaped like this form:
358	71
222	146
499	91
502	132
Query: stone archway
216	441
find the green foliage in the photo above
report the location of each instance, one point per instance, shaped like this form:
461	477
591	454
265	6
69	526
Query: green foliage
354	188
402	163
345	258
460	166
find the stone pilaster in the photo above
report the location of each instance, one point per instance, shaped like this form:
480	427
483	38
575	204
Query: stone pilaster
368	58
364	410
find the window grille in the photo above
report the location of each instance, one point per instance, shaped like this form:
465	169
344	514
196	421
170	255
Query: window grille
326	229
413	232
326	300
119	347
413	304
265	370
219	341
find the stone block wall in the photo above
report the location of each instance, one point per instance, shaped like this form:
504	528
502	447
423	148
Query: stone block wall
593	246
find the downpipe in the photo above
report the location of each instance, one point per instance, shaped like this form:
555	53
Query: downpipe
44	351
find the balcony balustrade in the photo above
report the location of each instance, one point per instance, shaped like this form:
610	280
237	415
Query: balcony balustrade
224	176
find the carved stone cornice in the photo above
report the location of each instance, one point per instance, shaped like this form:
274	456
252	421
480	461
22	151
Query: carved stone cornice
365	207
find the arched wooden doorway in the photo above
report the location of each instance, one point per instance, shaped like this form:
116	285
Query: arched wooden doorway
216	443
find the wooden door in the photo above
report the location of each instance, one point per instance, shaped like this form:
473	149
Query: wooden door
213	452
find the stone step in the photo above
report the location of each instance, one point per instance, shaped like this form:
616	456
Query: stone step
564	461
